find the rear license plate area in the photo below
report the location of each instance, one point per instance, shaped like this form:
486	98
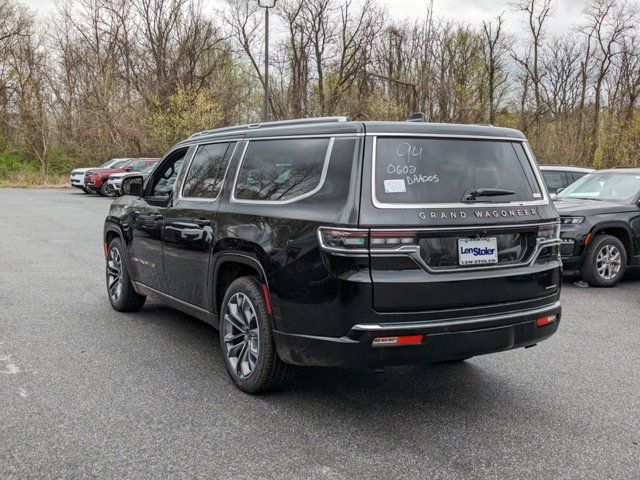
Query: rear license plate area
477	251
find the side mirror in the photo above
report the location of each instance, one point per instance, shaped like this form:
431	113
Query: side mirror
132	185
129	169
559	190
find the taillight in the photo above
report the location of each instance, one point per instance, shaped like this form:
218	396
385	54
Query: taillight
391	239
549	232
350	240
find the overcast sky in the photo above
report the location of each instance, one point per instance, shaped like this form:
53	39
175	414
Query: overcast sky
566	12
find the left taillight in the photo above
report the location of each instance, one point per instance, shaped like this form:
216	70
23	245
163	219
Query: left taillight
347	240
352	240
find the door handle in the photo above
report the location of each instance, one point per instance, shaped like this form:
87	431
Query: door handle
203	222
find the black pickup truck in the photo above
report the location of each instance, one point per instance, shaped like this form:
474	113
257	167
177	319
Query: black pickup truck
330	242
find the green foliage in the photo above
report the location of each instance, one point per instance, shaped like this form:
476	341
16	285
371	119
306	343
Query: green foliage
12	160
186	111
59	163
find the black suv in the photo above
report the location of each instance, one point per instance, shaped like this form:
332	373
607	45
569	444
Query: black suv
600	216
331	242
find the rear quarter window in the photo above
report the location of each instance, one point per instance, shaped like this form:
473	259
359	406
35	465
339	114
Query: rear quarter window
282	170
435	170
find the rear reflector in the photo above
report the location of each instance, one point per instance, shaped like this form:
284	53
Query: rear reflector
542	321
401	340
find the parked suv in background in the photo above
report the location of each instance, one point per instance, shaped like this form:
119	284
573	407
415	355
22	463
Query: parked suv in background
76	178
559	177
114	182
600	231
96	179
337	243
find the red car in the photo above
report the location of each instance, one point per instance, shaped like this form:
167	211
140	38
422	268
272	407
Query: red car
96	178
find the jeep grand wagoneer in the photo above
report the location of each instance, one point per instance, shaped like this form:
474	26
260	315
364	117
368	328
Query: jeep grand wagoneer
340	243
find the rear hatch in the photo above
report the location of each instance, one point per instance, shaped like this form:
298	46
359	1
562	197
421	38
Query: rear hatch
456	222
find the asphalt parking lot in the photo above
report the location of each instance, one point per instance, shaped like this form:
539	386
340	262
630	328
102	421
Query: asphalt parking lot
89	392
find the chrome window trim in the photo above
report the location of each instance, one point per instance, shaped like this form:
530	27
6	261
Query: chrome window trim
186	174
445	135
405	206
316	189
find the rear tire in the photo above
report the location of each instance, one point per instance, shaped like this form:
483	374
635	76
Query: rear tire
120	290
246	339
605	262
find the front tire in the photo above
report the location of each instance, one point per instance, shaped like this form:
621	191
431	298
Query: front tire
120	290
105	192
246	339
605	263
86	190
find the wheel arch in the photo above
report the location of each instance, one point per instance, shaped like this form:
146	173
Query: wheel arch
111	231
230	266
619	230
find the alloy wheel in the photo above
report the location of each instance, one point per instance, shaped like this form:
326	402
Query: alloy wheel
241	335
114	274
608	262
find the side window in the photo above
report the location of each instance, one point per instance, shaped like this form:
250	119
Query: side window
165	176
282	170
139	165
206	171
554	180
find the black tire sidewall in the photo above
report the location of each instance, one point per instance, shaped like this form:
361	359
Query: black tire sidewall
590	272
127	289
104	191
259	378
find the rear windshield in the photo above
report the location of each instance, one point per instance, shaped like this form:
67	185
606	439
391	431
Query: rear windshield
434	170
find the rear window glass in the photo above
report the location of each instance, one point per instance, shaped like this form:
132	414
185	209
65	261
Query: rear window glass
282	170
430	170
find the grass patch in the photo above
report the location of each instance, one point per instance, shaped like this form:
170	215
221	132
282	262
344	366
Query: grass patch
27	179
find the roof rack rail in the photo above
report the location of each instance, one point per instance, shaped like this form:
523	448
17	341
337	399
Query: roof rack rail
279	123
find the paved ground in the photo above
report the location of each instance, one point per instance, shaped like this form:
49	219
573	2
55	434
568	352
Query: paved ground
89	392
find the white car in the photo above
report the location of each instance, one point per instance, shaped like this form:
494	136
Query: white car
114	182
77	174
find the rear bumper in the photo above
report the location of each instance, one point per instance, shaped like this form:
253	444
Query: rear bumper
443	340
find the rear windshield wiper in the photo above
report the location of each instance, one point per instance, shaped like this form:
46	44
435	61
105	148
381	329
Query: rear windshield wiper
472	195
